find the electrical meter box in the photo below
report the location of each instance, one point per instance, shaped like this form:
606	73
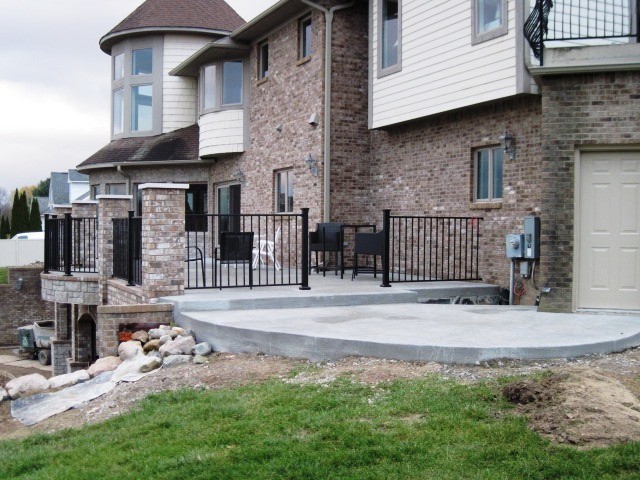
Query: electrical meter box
514	245
532	237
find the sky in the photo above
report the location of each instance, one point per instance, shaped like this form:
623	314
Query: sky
54	82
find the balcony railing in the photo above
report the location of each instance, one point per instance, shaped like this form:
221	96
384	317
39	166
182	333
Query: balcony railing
581	22
70	244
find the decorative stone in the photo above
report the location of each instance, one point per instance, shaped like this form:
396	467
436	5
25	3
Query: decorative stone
155	353
189	333
200	359
141	336
129	350
150	363
26	385
165	327
179	330
203	349
176	360
156	333
151	345
179	346
164	339
81	376
62	381
105	364
4	395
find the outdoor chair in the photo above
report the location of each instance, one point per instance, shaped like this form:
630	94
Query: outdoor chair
326	238
371	244
267	248
194	254
236	248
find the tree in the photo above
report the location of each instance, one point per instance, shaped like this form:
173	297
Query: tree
5	228
42	189
19	214
35	223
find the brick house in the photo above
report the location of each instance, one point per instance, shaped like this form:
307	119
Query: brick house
351	108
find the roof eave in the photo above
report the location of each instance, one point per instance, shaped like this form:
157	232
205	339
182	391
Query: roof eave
110	39
99	166
276	15
209	53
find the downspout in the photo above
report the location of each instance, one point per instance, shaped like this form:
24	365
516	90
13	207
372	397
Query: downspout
328	15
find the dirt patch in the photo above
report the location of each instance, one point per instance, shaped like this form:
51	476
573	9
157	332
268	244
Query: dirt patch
590	401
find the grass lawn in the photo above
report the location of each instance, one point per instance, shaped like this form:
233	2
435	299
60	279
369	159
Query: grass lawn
4	275
409	429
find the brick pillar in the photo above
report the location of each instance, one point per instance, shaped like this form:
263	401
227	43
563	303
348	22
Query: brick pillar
60	353
84	209
163	239
109	207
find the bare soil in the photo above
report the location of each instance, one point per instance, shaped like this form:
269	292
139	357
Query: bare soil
588	402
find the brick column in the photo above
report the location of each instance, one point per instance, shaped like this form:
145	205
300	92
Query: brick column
109	207
163	239
84	209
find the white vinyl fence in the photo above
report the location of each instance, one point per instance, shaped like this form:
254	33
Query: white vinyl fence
16	253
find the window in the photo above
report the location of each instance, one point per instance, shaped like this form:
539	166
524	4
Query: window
142	62
489	19
116	189
209	87
118	111
488	174
305	38
93	192
118	66
232	83
284	191
141	108
196	202
263	60
389	41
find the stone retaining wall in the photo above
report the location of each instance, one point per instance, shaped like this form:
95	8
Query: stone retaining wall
79	289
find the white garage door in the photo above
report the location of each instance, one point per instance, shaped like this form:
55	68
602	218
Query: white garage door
609	231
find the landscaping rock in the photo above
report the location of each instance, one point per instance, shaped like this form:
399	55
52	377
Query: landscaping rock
155	353
203	349
176	360
164	339
156	333
4	395
81	376
200	359
151	362
151	345
166	328
189	333
26	385
179	330
179	346
62	381
105	364
129	350
141	336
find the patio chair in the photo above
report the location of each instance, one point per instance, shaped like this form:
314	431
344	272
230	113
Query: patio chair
236	248
267	249
326	238
371	244
194	254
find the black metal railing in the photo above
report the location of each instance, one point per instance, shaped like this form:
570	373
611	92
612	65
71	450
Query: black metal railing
427	249
218	255
127	249
70	244
581	20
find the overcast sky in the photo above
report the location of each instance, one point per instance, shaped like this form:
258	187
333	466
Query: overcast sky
54	82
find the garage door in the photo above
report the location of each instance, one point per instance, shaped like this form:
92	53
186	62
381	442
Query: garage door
609	231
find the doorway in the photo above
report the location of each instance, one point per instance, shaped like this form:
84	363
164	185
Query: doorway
228	200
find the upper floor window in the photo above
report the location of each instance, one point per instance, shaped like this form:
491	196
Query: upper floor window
305	38
389	36
489	19
136	87
488	165
222	85
263	60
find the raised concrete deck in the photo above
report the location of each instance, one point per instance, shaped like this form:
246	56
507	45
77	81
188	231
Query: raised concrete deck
342	318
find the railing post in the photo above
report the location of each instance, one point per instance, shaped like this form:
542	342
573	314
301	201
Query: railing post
540	6
67	244
130	249
47	243
386	226
305	250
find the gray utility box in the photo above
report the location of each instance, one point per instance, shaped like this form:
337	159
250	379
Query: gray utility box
532	237
514	243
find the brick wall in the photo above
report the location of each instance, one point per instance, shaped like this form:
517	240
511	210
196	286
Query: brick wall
119	293
77	289
24	306
578	111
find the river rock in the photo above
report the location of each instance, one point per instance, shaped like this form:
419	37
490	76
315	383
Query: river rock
165	327
26	385
81	376
189	333
156	333
62	381
176	360
105	364
4	395
151	362
203	349
141	336
151	345
178	346
179	330
164	339
200	359
129	350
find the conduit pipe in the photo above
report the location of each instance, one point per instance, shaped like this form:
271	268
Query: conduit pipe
328	15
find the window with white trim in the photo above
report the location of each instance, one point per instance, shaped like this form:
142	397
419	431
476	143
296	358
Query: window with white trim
222	86
284	191
263	60
389	36
488	167
304	35
489	19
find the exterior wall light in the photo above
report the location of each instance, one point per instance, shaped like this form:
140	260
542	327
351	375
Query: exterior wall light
508	143
239	177
312	165
19	283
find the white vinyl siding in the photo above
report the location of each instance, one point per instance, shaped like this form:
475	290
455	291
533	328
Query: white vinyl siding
179	93
441	69
221	132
